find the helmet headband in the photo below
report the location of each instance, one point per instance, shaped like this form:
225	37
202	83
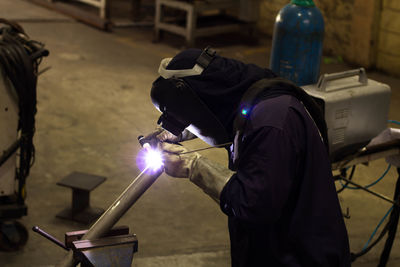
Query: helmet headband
205	58
167	74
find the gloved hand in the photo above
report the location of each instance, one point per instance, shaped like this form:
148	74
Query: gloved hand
162	135
177	164
206	174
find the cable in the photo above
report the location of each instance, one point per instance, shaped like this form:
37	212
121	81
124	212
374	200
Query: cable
19	61
394	121
391	225
343	174
367	186
390	229
385	229
377	227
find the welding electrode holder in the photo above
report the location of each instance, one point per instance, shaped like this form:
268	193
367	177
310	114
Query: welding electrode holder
151	140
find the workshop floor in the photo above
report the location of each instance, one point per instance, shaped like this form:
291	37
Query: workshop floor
92	105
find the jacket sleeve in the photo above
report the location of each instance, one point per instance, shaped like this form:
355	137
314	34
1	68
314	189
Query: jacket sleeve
259	189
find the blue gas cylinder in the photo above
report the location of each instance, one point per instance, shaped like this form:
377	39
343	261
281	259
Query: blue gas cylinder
297	42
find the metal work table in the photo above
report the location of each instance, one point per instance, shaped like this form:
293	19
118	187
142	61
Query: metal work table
383	146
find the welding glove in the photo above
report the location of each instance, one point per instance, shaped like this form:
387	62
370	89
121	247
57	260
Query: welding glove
162	135
165	135
206	174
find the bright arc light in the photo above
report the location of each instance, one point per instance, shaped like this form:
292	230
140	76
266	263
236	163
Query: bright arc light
153	159
149	159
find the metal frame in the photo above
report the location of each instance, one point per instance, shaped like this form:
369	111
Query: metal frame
102	5
368	154
77	13
364	156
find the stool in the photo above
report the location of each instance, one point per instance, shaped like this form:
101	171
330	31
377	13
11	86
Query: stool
81	185
191	29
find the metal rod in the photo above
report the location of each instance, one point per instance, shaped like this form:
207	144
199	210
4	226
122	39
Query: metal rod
8	153
49	237
43	70
120	206
371	192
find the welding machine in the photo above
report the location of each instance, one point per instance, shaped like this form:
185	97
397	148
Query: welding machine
355	108
19	60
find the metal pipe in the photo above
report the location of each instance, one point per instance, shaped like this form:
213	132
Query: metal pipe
120	206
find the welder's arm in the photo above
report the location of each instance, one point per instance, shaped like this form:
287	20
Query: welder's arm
206	174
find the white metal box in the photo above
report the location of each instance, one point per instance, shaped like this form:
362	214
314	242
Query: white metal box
355	108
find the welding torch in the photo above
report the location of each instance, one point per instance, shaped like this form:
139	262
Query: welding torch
152	142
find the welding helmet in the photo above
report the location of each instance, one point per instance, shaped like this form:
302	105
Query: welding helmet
182	107
201	91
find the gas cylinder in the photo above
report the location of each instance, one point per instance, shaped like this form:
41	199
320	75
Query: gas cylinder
297	42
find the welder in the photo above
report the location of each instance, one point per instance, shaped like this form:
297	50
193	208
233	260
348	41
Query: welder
278	191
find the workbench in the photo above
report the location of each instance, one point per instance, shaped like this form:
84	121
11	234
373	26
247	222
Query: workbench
385	145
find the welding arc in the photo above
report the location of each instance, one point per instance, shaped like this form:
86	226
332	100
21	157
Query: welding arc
205	148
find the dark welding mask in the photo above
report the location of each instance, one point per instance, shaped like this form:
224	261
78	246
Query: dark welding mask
181	107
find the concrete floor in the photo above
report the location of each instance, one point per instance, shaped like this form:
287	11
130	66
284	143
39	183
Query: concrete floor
92	105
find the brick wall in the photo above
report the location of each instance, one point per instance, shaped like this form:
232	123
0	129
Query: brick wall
268	11
338	20
388	54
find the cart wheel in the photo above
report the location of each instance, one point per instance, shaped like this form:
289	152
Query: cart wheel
13	236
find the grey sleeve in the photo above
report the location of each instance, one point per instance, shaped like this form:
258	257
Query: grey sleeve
210	176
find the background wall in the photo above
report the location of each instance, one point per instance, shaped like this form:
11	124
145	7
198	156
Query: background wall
388	54
362	32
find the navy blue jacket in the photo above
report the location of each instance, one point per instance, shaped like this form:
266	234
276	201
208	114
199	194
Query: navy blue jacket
281	203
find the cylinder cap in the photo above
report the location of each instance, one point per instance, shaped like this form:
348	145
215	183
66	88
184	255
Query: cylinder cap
303	2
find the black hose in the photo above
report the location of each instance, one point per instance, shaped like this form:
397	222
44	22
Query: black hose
343	173
19	61
354	256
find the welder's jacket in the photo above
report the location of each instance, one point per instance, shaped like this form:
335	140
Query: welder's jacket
281	203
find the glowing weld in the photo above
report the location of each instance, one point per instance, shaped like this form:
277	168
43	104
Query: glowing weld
153	159
149	159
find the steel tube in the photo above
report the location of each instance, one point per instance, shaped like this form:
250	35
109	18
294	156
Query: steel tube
120	206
